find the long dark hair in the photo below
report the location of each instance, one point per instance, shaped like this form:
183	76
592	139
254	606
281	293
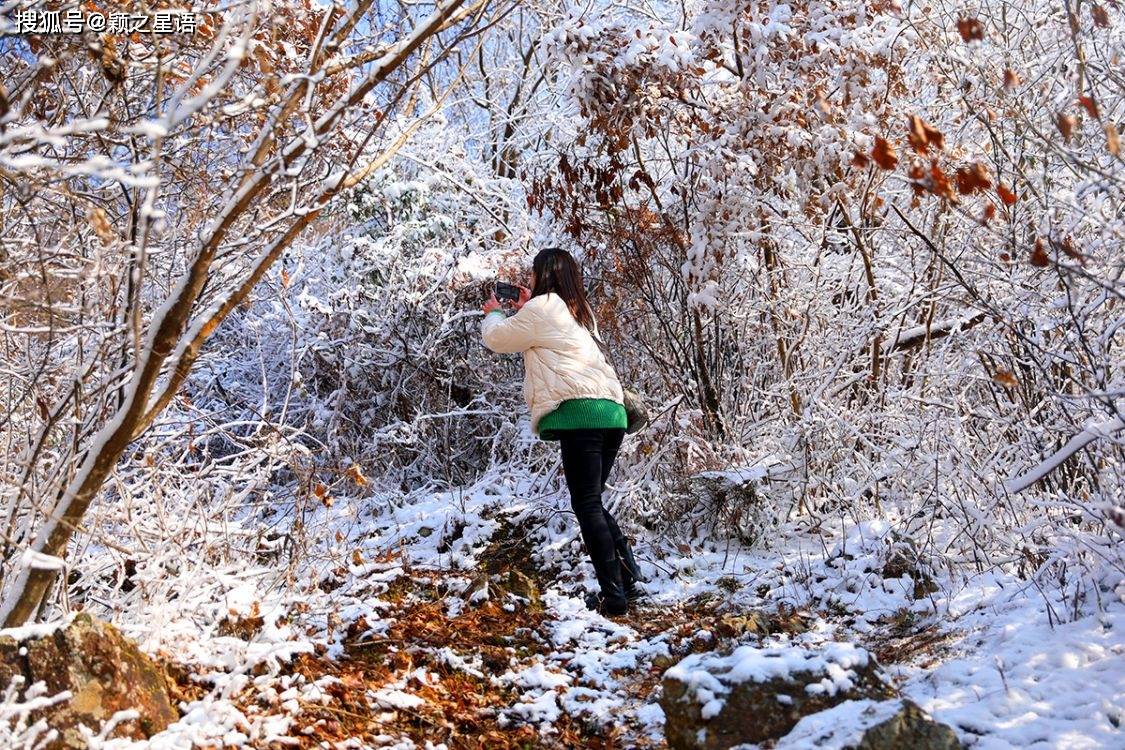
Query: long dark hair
557	271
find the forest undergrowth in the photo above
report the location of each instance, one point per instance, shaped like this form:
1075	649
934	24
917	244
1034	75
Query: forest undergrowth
861	257
456	620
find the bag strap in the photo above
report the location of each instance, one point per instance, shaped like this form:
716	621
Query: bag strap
603	346
605	350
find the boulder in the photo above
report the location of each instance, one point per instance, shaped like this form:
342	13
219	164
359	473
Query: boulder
713	701
103	671
871	725
911	727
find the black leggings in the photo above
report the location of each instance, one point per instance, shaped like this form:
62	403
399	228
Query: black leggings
587	457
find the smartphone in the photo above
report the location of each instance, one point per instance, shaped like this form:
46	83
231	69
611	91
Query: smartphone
507	292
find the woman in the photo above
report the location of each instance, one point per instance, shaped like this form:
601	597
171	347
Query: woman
576	399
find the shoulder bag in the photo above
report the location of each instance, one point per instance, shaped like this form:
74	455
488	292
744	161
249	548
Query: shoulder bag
635	410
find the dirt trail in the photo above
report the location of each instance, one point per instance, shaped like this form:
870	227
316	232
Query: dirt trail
450	658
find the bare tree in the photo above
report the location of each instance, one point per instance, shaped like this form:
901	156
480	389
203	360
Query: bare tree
147	187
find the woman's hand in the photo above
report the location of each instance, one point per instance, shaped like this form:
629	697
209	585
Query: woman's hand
525	295
491	304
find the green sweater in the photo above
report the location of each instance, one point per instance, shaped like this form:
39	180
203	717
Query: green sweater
583	413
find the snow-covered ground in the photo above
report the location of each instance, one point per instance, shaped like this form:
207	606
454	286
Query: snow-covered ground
412	604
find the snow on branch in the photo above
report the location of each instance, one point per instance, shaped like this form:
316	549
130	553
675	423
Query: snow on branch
1075	444
911	338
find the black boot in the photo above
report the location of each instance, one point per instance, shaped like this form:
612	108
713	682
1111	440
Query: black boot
630	572
612	600
629	582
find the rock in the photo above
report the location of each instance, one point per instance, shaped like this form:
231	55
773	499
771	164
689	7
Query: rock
713	701
104	672
903	560
522	585
871	725
910	727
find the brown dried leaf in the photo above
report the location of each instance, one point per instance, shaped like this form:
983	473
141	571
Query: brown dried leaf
1066	246
356	475
922	136
971	29
1006	195
1039	257
973	179
1113	140
1005	378
1089	105
1011	79
860	160
939	182
1066	125
884	153
99	222
1101	17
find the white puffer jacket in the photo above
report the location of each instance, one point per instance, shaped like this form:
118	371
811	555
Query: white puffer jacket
560	358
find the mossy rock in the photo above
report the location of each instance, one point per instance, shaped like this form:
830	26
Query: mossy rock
910	728
871	725
714	702
104	671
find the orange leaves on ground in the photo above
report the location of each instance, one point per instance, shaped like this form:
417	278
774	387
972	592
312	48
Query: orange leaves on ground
922	136
971	29
1066	125
1101	17
1007	197
244	625
973	179
884	153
